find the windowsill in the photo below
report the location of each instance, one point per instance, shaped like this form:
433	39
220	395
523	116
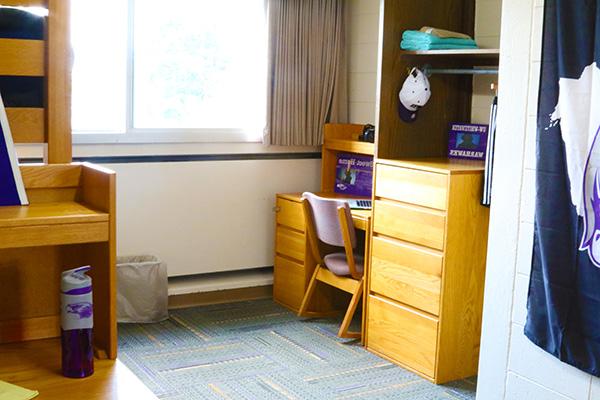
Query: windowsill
102	149
167	137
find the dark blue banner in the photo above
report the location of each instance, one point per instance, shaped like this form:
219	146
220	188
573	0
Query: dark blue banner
564	291
20	24
22	91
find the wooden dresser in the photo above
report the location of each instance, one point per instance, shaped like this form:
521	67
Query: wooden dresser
426	277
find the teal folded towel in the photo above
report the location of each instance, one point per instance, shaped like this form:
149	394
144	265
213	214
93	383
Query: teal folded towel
417	40
428	38
409	45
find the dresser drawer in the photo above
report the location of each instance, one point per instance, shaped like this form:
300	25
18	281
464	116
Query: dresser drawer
412	224
288	282
402	334
290	243
290	213
406	273
428	189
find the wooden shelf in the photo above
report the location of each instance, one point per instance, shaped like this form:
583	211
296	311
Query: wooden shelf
462	57
454	52
350	146
35	365
66	212
340	138
46	224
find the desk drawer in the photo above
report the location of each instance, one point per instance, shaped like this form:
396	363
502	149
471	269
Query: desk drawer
290	213
405	222
290	243
402	334
406	273
422	188
289	282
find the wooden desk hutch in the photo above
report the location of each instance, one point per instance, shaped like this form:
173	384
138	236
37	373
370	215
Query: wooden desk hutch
294	263
425	275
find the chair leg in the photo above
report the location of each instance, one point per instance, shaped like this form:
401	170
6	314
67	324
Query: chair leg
343	332
309	292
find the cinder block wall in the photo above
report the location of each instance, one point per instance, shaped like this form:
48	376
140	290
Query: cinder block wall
511	367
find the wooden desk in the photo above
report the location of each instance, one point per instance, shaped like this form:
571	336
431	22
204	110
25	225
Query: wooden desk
361	219
35	365
294	264
69	223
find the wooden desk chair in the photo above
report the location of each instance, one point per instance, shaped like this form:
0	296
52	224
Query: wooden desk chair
330	221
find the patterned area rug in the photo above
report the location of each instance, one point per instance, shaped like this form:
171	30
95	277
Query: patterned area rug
260	350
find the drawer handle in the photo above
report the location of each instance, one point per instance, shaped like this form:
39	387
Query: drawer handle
276	209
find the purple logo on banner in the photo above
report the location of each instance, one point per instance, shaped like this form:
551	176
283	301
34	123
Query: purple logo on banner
354	175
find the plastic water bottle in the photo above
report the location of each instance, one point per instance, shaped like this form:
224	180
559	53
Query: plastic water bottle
76	323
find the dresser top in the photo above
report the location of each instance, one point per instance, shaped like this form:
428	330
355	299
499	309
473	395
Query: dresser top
440	165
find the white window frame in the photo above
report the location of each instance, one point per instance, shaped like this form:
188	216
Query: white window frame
161	135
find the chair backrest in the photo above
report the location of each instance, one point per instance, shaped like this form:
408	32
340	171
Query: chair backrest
326	220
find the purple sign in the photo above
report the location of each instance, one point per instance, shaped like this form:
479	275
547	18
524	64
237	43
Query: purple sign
354	175
467	141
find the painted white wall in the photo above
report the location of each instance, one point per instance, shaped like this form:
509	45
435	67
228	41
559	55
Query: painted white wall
363	37
206	216
511	367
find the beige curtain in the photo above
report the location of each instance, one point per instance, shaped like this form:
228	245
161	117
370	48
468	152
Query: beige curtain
307	70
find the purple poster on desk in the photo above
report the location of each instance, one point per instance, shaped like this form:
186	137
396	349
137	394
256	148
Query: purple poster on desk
12	192
467	141
354	175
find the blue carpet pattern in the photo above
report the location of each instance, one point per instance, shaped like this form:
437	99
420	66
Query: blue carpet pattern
260	350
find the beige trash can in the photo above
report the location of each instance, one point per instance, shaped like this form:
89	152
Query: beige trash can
142	289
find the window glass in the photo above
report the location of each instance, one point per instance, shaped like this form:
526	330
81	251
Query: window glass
99	40
193	65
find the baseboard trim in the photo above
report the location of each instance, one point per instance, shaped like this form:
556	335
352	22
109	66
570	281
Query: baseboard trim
216	281
220	296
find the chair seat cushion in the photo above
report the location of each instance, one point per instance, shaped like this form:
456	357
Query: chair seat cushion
336	263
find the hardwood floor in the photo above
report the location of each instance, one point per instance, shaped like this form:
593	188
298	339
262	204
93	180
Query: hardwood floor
36	365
